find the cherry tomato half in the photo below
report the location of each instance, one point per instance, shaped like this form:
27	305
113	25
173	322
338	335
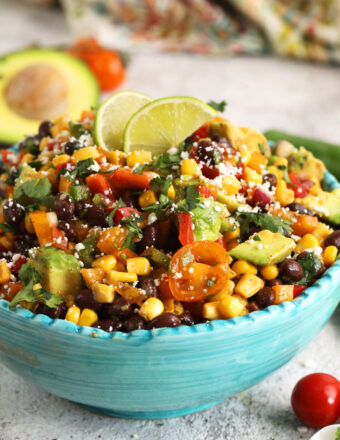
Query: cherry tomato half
198	269
316	400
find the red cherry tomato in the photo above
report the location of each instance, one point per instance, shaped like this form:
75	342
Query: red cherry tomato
316	400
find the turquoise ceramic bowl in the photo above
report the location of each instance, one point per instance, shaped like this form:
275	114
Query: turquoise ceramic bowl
163	372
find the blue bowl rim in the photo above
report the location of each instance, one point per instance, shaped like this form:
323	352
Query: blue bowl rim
289	307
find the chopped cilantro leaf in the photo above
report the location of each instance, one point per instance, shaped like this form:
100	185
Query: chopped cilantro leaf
218	106
257	238
140	168
262	149
161	184
264	221
133	229
82	169
120	204
7	228
77	129
192	199
311	264
168	163
286	177
34	193
36	164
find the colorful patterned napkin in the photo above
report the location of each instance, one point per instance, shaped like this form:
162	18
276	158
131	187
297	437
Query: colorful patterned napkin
307	29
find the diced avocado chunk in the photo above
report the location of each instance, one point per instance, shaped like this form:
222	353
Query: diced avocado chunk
230	201
326	205
86	255
60	272
207	219
306	165
267	248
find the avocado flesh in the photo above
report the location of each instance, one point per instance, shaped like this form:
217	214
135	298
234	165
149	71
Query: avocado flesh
60	272
272	248
82	88
326	205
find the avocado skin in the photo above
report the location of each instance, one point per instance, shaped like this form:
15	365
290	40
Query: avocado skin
326	205
60	272
275	248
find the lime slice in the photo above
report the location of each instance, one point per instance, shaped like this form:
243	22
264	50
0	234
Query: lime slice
164	123
112	116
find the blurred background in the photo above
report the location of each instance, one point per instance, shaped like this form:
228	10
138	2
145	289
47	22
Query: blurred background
273	61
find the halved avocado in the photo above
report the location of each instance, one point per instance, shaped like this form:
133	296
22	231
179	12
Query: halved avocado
62	85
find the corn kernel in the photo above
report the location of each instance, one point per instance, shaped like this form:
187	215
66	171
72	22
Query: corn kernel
232	306
62	158
73	314
308	241
92	276
43	143
85	153
103	293
116	157
173	306
329	255
125	277
171	192
226	291
27	158
276	171
230	235
107	262
322	232
138	157
241	267
5	273
284	195
190	167
87	317
230	185
251	175
37	286
245	154
138	265
281	162
151	308
283	293
269	272
257	161
6	242
336	191
211	310
147	198
248	285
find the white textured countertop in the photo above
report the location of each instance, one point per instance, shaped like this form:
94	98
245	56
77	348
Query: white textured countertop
261	92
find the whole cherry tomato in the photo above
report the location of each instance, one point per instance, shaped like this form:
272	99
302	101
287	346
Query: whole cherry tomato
316	400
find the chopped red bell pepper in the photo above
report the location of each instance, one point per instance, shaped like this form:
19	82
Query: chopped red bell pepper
61	166
300	189
124	212
200	133
59	239
205	191
298	289
18	263
207	171
123	178
186	233
240	171
98	183
222	242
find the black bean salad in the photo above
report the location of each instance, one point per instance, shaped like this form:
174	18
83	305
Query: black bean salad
214	228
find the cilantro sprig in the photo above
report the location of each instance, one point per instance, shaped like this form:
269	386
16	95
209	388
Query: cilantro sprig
134	231
162	185
30	276
34	193
167	163
264	221
311	264
192	199
218	106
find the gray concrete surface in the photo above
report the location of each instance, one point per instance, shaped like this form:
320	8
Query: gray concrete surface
261	92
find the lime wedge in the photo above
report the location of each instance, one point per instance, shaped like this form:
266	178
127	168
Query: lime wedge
164	123
112	116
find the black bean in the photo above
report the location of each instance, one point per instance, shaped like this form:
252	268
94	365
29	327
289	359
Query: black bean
321	271
291	269
64	206
14	213
71	146
31	240
209	152
164	320
264	298
69	230
53	313
78	208
333	239
148	284
30	140
14	173
300	209
252	307
302	255
85	300
135	322
271	179
149	238
130	198
45	129
19	246
96	214
274	282
188	318
120	308
109	325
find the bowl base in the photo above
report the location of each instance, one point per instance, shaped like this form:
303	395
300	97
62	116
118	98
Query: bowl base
149	414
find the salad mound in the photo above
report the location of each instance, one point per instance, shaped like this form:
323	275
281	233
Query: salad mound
215	227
